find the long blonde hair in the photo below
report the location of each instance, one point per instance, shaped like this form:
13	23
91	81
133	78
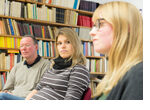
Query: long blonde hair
127	46
77	56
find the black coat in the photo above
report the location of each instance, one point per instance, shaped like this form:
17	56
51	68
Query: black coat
130	87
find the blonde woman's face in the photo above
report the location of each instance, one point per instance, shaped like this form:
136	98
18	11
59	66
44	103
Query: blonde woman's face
102	36
65	48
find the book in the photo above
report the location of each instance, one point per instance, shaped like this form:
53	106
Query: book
6	27
11	27
2	42
2	30
76	4
2	4
0	82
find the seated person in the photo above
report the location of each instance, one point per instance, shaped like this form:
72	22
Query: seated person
25	75
118	33
67	77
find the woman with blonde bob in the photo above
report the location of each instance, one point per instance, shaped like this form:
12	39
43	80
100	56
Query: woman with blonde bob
67	78
118	33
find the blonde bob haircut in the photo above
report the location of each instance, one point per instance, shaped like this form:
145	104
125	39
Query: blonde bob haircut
127	46
77	55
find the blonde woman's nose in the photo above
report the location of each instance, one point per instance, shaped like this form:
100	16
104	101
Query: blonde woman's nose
92	32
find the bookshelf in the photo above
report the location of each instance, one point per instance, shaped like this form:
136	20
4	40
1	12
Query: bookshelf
25	21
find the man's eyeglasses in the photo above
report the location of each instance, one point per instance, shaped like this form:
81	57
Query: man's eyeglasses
27	46
97	24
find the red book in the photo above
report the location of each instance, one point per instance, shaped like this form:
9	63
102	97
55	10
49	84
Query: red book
1	28
30	27
11	60
84	19
43	32
78	22
50	1
88	21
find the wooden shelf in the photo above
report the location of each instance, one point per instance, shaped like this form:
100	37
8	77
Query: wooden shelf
20	0
14	36
48	23
83	40
45	39
48	57
4	70
11	17
3	48
42	22
97	57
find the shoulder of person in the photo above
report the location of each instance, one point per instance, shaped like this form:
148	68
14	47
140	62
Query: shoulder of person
135	73
80	67
19	64
137	70
44	60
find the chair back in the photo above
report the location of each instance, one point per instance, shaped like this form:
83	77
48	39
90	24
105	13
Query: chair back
87	94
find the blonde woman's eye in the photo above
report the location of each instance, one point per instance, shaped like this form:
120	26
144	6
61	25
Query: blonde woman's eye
59	43
68	42
102	23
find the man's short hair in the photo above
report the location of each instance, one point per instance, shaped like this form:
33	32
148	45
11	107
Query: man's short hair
32	37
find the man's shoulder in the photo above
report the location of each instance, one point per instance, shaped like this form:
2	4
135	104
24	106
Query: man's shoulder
44	60
19	63
43	63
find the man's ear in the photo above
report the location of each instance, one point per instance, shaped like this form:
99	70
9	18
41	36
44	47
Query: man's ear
36	46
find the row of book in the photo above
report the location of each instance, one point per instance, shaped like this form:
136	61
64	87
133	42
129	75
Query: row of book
65	3
97	65
7	61
10	59
88	49
88	5
84	21
3	78
66	16
9	27
45	13
8	8
13	27
9	42
32	11
83	33
45	46
46	49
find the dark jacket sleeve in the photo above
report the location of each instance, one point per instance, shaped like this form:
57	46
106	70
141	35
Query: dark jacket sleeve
130	87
